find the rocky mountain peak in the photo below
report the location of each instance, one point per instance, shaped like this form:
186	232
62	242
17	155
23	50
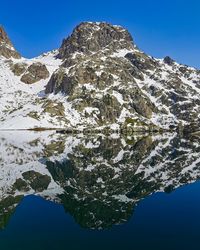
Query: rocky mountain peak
98	79
90	37
168	60
4	37
6	47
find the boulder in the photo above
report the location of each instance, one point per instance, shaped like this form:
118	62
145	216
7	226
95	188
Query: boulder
35	72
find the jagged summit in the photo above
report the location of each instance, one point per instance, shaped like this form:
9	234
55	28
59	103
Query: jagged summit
7	49
4	37
97	79
168	60
90	37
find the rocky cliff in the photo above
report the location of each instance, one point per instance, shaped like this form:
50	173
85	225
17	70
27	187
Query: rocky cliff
7	49
98	79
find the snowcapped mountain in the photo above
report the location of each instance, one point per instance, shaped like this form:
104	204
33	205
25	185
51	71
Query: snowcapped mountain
98	78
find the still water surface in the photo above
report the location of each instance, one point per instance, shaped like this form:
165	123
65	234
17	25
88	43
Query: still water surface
99	192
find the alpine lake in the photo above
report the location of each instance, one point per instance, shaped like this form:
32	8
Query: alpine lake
63	191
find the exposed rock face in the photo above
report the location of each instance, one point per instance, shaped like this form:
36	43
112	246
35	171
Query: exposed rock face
101	60
95	75
168	60
99	79
35	73
18	68
4	37
60	82
6	47
88	38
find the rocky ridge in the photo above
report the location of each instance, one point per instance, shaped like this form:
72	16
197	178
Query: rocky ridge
7	49
98	79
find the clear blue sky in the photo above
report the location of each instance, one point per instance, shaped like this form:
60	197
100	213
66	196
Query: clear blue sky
158	27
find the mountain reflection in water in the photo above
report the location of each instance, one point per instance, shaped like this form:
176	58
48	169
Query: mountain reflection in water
98	179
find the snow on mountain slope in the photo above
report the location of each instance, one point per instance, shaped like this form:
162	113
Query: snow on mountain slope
17	99
97	79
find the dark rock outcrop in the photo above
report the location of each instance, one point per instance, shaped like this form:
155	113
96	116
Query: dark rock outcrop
88	38
35	73
6	47
105	81
91	55
168	60
18	68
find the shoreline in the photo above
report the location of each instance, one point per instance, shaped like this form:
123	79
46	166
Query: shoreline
108	131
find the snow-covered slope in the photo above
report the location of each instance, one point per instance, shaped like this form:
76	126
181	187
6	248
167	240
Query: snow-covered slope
18	100
97	79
